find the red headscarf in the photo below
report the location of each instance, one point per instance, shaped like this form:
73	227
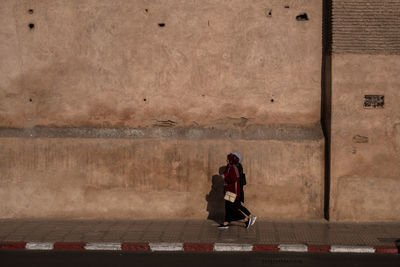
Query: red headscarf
233	160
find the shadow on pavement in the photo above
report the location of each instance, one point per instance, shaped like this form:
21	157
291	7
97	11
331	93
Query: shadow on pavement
215	199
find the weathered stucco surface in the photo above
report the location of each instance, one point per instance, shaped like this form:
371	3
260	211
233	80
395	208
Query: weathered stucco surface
135	81
365	170
109	63
147	178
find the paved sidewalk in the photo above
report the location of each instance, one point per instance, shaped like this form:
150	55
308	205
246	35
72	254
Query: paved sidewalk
264	235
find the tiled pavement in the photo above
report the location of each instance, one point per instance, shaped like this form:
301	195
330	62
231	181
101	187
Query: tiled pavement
200	231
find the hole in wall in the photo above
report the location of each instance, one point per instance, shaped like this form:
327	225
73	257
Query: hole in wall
287	6
31	26
30	11
302	17
144	99
161	25
30	100
146	10
268	12
272	100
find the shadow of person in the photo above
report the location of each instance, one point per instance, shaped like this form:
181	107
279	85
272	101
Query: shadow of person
215	200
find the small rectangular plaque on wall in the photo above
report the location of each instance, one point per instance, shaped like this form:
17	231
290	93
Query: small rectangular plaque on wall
374	101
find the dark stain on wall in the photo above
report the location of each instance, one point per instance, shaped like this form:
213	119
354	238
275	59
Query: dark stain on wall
165	123
374	101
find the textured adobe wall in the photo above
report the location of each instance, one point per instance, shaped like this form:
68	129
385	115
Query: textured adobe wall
109	63
365	142
123	109
365	171
150	178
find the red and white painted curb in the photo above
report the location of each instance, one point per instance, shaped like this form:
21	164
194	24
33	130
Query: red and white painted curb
223	247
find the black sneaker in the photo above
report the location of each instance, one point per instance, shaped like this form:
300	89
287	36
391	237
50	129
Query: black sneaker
222	226
248	223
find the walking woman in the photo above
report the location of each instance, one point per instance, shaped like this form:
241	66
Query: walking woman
234	211
242	179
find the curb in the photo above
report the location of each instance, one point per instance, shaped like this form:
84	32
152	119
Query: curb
293	247
198	247
352	249
69	246
232	247
192	247
135	246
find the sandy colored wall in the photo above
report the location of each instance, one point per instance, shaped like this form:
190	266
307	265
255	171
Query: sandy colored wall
365	168
109	64
143	85
148	178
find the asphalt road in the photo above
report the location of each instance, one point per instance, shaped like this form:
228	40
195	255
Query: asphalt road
187	259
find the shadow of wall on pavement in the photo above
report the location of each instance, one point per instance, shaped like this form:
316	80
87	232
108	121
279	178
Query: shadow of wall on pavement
215	200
